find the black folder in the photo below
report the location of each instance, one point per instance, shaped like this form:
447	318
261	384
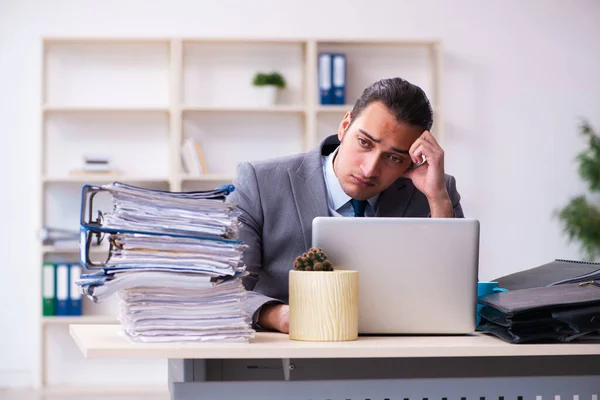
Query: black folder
563	312
552	273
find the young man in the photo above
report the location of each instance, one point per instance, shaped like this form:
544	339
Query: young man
370	169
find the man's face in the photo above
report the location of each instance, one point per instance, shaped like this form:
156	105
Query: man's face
374	151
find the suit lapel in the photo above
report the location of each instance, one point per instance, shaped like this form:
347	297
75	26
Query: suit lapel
394	201
310	192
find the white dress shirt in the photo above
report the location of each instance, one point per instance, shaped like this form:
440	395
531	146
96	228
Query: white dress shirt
337	199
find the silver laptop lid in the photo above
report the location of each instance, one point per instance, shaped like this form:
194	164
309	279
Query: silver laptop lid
416	275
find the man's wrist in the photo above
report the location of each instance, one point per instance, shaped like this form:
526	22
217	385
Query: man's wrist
441	206
267	317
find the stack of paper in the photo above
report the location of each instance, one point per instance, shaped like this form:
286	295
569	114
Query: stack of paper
175	265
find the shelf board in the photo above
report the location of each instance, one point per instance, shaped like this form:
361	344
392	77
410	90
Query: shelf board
209	178
242	40
83	319
375	42
335	108
267	109
101	109
60	250
96	178
125	40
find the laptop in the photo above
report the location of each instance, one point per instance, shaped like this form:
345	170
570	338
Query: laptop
416	275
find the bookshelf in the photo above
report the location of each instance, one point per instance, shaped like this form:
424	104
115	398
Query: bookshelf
137	100
84	319
246	109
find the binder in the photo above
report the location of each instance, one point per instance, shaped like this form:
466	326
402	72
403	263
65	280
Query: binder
552	273
93	230
62	289
74	293
339	78
48	289
325	78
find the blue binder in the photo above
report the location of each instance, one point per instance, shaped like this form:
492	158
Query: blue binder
74	293
338	73
325	78
62	289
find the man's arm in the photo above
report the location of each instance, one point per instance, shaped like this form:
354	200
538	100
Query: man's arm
247	197
429	178
448	204
454	197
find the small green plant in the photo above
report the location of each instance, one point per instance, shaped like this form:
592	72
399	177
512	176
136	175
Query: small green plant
273	78
314	259
581	217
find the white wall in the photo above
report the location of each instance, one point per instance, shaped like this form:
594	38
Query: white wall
518	75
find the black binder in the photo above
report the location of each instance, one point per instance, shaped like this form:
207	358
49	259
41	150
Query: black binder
552	273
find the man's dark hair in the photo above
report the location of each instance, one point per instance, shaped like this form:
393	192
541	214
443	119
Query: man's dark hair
406	101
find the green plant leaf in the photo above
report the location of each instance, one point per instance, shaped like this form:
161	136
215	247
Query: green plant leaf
581	222
273	78
581	219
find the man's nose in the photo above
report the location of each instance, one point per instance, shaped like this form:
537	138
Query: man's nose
370	166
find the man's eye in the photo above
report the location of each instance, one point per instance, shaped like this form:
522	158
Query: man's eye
363	142
395	159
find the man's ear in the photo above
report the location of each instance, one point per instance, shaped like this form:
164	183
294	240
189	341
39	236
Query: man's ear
344	125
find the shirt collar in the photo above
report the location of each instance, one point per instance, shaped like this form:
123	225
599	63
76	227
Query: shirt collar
337	195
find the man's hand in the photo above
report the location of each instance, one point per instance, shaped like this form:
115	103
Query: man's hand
429	178
275	317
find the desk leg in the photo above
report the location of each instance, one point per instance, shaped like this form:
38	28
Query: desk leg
182	371
287	368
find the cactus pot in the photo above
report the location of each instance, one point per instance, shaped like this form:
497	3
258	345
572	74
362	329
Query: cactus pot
323	305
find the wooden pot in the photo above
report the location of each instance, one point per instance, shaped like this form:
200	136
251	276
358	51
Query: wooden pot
323	305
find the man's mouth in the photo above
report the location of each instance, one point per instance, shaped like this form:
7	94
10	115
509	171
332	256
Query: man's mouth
362	182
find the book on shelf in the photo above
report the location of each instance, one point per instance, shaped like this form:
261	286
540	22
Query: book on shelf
194	161
54	236
96	163
93	165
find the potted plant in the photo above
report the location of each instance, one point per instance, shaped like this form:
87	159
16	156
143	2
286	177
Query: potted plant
323	301
580	218
267	85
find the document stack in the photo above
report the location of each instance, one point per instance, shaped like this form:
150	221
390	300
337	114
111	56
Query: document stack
174	263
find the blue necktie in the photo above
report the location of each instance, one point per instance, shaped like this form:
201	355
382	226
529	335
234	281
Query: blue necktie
359	207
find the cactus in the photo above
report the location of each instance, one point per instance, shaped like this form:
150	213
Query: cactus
314	259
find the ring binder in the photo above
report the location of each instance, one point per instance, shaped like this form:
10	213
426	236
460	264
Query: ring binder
93	230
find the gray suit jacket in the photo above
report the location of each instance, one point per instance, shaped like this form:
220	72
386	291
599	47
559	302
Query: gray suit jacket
279	199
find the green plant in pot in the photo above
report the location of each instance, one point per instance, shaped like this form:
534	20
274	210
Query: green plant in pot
314	259
323	301
267	85
581	217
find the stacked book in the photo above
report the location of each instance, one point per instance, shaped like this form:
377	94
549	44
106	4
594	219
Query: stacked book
174	262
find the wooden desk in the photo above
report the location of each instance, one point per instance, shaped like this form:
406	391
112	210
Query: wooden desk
420	358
